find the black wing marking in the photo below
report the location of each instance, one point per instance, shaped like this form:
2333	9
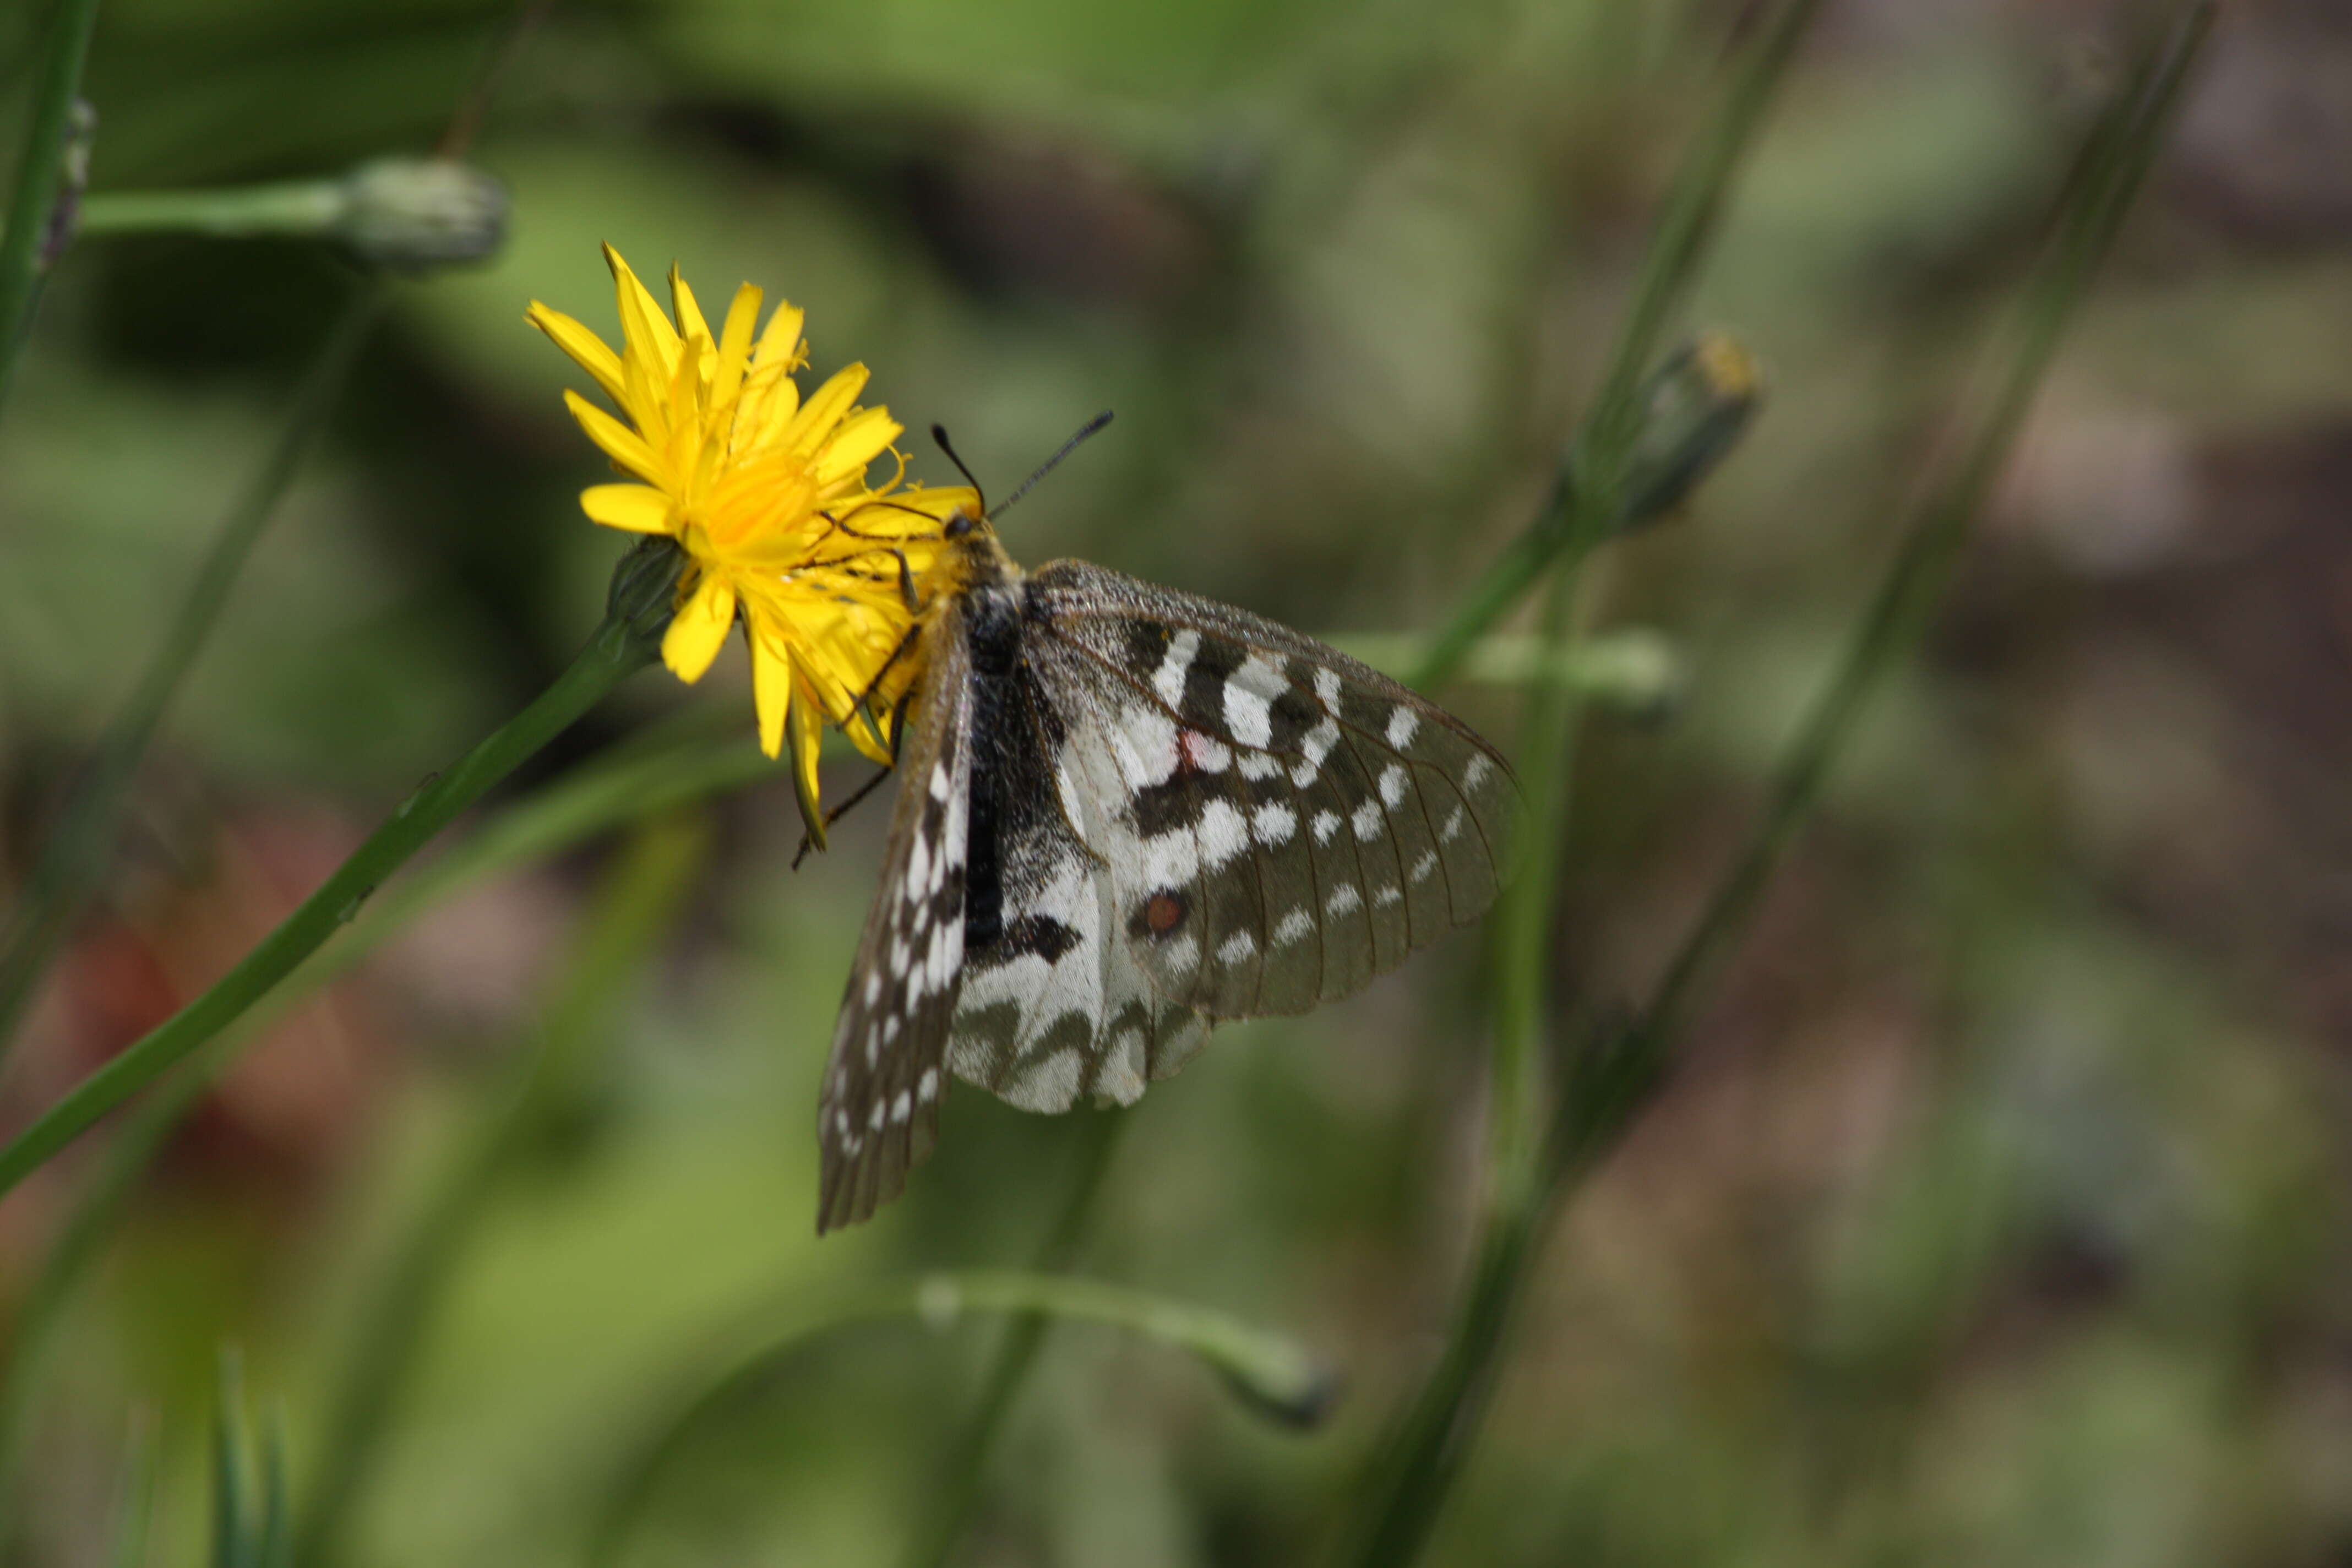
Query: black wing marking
878	1115
1300	822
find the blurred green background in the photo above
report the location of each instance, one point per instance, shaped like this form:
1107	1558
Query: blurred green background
1997	1215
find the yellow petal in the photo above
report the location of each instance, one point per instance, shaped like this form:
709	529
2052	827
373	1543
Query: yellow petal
771	690
942	503
623	445
589	351
646	333
699	629
780	345
866	438
824	408
877	747
639	509
770	397
734	346
808	735
682	305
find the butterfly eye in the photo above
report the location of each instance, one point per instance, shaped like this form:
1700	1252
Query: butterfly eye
957	525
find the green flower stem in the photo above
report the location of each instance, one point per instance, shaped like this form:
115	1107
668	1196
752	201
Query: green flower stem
74	854
299	208
1269	1370
966	1463
40	177
636	909
1608	1087
2115	164
1588	493
627	641
1413	1472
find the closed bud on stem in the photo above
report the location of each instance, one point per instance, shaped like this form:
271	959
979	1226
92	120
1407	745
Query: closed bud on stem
414	213
642	595
1696	408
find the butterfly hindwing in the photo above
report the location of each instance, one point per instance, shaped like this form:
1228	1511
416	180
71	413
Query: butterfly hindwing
878	1114
1301	822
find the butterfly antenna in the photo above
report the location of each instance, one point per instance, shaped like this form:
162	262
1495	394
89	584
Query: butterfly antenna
1050	464
940	437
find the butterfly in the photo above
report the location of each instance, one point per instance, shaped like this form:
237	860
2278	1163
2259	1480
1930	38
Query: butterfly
1126	813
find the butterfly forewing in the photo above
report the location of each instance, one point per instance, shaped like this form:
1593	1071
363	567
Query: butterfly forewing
879	1114
1302	823
1053	1005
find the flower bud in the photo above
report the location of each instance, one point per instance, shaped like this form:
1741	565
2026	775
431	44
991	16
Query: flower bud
1696	406
411	213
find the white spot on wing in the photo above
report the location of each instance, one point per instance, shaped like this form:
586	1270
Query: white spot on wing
1342	898
1222	833
1403	724
1256	765
1327	689
902	1107
1249	698
1384	896
1274	823
1475	773
1392	785
1452	828
1168	678
1237	949
1425	865
1293	927
1145	741
1313	749
1366	820
1326	823
1171	860
1206	752
927	1085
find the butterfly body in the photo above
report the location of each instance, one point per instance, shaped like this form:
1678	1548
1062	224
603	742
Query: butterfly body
1125	814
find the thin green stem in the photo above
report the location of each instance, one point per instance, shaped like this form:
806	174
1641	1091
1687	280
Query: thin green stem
40	177
1610	1085
2118	162
637	906
75	853
1590	486
301	208
1530	906
1414	1473
966	1464
1271	1371
625	643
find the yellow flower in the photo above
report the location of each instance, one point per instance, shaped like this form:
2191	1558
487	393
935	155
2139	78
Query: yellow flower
768	496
